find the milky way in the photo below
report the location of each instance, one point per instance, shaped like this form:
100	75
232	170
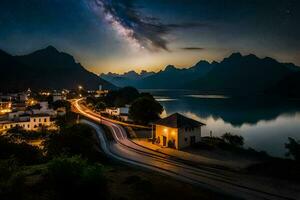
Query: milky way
140	30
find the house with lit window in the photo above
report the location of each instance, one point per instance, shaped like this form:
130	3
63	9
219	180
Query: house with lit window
121	112
177	131
29	123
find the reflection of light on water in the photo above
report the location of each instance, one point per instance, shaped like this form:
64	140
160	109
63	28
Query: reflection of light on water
217	126
266	135
208	96
163	99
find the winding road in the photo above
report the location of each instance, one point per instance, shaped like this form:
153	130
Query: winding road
222	181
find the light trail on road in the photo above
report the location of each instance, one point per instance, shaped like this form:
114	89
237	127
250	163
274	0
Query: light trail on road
214	179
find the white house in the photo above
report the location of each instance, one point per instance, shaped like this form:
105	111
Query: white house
117	111
32	123
58	97
177	131
121	112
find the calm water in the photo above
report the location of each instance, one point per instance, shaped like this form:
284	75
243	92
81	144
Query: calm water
265	123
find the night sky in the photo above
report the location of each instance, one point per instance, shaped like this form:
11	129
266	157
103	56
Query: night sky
120	35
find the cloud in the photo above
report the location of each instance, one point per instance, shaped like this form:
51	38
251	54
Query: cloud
193	48
140	30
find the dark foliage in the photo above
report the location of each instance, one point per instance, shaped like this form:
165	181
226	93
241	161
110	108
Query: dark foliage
210	143
121	97
18	133
23	152
293	148
234	140
75	178
74	140
66	120
144	110
61	103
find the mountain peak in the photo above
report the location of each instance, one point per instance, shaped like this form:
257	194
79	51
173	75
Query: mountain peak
236	55
51	48
170	67
202	62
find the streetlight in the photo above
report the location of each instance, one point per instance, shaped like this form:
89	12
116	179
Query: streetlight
79	90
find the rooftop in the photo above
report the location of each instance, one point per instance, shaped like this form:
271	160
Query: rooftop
177	120
40	115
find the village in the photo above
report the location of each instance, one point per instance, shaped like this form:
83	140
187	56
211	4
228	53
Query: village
128	124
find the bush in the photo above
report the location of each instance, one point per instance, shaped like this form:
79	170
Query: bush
76	178
235	140
61	103
67	120
17	133
100	105
24	153
75	140
7	168
293	148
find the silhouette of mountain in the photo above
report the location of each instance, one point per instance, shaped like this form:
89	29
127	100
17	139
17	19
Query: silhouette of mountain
170	77
46	68
174	78
239	74
236	74
288	87
130	78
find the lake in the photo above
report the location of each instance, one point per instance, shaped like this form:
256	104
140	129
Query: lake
265	123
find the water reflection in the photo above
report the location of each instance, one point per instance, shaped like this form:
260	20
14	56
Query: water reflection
236	111
265	123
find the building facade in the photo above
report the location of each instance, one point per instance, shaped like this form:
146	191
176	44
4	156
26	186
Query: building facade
32	123
177	131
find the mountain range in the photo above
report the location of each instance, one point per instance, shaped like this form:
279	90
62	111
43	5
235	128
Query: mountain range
236	74
46	69
126	79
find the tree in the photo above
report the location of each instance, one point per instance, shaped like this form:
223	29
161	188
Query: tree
234	140
61	103
100	105
121	97
74	140
144	110
75	178
293	148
